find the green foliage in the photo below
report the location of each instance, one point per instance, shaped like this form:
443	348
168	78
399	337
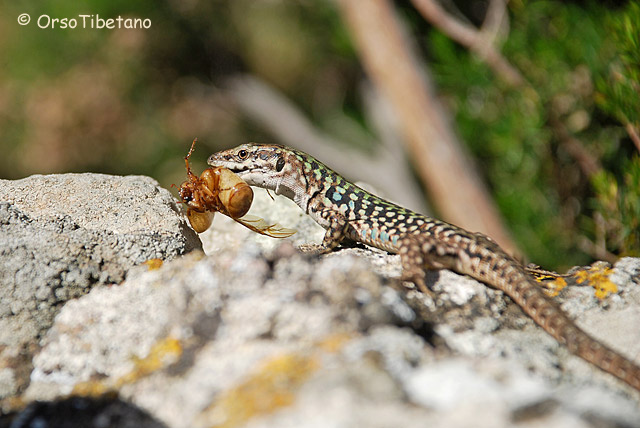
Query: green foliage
617	207
619	87
525	139
123	101
618	200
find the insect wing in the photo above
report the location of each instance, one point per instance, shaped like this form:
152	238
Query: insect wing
259	225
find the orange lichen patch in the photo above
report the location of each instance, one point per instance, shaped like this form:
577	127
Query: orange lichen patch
598	278
270	388
153	264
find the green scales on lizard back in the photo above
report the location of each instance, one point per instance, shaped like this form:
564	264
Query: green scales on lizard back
348	211
371	220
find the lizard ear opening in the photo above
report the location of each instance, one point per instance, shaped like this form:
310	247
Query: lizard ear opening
280	164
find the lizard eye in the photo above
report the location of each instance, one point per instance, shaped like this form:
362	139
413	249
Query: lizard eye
243	154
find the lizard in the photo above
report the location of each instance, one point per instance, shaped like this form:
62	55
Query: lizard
348	211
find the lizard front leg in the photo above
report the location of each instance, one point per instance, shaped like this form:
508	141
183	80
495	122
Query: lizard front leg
335	233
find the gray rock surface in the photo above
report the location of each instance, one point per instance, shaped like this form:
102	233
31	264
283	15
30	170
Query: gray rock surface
258	334
60	236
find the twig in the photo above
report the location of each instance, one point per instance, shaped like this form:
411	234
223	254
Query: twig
598	249
588	163
633	134
474	40
495	26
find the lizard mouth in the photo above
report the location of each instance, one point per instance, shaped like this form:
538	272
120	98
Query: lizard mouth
230	165
241	170
237	169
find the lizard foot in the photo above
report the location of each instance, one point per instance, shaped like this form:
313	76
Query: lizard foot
314	249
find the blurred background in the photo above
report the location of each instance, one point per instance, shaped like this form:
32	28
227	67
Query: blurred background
541	99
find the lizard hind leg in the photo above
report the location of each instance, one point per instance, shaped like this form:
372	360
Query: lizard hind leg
413	263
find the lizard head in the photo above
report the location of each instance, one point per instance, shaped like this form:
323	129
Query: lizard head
262	165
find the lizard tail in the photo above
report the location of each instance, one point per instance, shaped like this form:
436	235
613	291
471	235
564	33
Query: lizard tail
528	295
484	260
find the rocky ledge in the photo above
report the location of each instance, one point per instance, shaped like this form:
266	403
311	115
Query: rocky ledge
253	333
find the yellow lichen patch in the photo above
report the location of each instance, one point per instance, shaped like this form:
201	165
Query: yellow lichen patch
552	288
543	276
13	404
162	354
272	387
153	264
551	282
598	278
92	388
334	342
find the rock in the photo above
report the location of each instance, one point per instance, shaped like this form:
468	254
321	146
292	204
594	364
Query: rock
61	236
257	334
84	412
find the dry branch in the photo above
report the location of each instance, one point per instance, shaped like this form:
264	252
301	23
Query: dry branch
633	134
441	162
478	41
